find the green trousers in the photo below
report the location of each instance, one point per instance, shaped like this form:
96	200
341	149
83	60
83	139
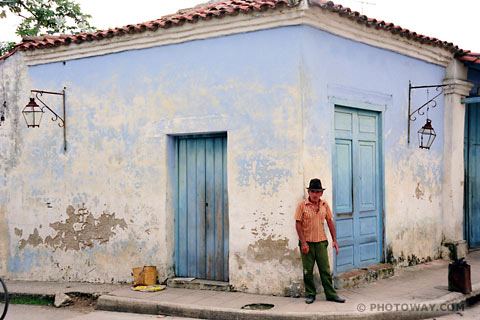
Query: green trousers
317	253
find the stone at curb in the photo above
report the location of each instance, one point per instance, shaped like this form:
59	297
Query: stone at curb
199	284
354	278
122	304
62	300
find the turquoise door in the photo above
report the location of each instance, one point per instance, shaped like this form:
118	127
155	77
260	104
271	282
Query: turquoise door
201	221
357	189
472	168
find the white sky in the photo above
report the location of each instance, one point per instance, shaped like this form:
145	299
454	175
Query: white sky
452	21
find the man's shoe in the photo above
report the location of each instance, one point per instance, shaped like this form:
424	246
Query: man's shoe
310	299
336	299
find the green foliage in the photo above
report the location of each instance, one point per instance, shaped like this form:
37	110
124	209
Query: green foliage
47	16
5	47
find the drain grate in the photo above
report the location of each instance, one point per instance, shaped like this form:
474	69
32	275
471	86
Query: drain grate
258	306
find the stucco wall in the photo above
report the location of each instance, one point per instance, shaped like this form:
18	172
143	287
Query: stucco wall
13	75
106	205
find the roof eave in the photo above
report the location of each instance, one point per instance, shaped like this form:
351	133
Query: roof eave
328	18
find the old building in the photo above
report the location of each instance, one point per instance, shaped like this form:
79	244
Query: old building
190	139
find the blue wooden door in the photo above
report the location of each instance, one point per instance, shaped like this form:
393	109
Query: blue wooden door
357	200
201	235
472	166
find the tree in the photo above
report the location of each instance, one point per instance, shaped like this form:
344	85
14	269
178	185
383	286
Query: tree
5	47
47	16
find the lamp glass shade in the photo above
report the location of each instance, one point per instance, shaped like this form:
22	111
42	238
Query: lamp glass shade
426	135
32	114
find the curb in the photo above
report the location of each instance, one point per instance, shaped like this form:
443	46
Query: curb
457	297
131	305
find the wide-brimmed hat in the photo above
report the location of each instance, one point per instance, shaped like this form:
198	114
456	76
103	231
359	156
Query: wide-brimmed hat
315	185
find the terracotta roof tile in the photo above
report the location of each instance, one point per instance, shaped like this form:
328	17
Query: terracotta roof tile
470	57
203	11
219	9
388	26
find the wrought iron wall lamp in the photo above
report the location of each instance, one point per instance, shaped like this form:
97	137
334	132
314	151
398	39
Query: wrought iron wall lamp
33	112
426	135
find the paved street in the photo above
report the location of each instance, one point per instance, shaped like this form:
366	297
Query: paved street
471	313
29	312
20	312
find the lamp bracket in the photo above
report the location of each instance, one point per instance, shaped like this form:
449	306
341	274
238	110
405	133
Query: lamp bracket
430	103
38	94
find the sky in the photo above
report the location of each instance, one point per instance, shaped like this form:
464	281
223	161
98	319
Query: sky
447	20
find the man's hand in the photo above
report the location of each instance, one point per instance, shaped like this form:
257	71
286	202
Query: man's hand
305	248
335	245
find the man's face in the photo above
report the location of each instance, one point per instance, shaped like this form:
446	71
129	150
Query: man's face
315	195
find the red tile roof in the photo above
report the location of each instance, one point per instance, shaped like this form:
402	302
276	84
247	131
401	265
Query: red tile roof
380	24
470	57
205	11
219	9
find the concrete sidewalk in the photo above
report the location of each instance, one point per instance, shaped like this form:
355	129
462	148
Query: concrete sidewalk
416	292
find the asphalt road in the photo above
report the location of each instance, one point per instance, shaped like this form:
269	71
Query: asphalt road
29	312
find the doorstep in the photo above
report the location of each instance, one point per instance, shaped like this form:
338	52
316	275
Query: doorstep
198	284
357	277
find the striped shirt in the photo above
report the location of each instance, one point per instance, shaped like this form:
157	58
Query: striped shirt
313	221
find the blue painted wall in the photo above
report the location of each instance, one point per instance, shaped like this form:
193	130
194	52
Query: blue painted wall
334	60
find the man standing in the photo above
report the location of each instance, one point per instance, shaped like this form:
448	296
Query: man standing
310	217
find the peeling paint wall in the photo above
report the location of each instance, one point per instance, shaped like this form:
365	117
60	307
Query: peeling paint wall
107	204
79	231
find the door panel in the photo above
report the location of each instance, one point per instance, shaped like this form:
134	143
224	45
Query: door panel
343	121
368	226
201	217
473	174
357	188
191	209
367	124
344	176
367	175
201	208
219	208
210	210
181	216
368	252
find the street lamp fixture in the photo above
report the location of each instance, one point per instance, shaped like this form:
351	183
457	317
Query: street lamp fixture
426	135
33	113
